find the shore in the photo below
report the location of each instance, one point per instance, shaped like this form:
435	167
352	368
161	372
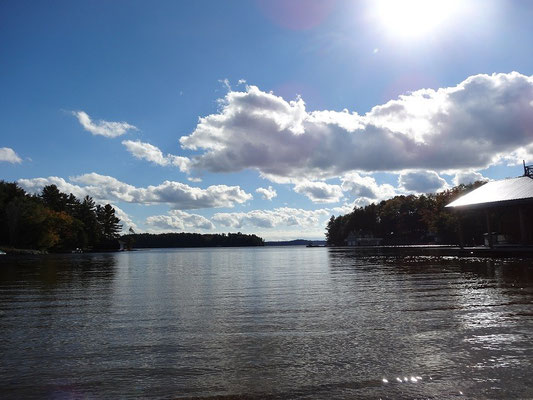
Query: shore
27	252
446	251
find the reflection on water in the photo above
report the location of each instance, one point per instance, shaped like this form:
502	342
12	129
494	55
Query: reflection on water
273	323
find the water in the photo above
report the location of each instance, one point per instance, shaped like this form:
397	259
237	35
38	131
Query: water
264	323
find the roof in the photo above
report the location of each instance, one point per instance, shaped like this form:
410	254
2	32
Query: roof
498	193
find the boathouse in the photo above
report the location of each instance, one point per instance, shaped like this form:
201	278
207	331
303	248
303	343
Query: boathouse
362	239
507	206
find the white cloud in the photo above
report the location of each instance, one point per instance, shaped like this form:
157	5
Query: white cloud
267	193
193	179
422	182
319	192
103	128
344	209
179	220
471	125
176	194
225	83
519	155
278	217
153	154
8	155
36	185
365	189
468	176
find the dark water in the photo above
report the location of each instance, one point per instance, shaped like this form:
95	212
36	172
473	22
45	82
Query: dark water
274	323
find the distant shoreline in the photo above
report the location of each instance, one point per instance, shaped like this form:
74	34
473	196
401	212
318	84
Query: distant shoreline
296	242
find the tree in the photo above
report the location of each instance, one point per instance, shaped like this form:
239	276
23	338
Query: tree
53	198
335	231
86	213
408	219
53	220
109	223
10	196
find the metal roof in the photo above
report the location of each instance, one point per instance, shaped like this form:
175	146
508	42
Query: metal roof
503	191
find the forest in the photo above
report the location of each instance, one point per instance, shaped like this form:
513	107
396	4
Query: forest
55	221
162	240
411	219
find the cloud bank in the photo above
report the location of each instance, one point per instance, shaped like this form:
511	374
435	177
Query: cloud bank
278	217
469	126
176	194
102	128
180	220
8	155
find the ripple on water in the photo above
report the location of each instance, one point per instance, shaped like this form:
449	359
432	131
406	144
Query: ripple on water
264	323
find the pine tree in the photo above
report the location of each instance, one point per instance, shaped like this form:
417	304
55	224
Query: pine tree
53	198
86	213
108	222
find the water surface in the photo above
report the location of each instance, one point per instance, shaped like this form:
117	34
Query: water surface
279	323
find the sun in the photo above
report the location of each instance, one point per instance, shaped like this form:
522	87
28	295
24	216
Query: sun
415	18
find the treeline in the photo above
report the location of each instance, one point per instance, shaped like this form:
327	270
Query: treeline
55	221
410	219
166	240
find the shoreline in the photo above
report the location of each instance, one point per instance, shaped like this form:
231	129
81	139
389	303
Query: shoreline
12	251
509	251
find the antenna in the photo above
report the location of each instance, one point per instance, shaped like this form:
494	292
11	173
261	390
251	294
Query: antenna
528	169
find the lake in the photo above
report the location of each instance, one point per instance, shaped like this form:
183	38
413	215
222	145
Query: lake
264	323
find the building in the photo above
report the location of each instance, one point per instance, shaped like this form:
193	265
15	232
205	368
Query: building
362	239
507	206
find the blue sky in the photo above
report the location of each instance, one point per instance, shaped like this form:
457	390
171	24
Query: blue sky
262	117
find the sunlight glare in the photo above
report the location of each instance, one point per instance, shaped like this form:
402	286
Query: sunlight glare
414	18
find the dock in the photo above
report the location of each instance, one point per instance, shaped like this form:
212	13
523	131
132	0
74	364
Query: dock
508	251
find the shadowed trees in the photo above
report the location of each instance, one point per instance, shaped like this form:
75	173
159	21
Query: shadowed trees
408	220
109	223
53	199
55	221
182	239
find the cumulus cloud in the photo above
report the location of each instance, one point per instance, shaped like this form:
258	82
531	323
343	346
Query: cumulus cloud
267	193
179	220
421	181
36	185
319	192
468	126
153	154
176	194
365	189
344	209
278	217
468	176
103	128
8	155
